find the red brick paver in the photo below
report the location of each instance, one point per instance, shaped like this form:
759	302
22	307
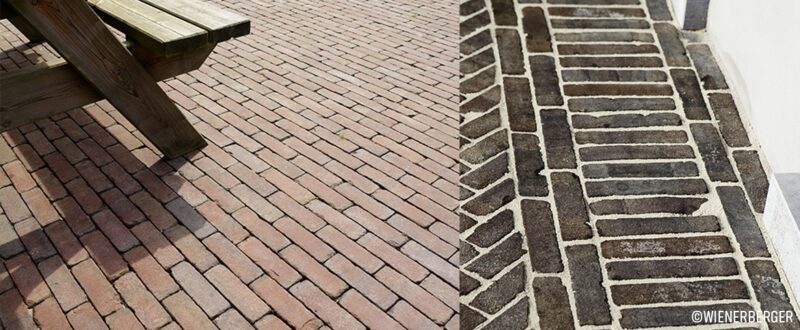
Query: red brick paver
326	197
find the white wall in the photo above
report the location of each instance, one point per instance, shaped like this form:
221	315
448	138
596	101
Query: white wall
759	45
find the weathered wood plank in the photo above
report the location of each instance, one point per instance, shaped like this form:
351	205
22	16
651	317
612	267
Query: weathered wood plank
220	24
26	29
151	27
41	91
78	34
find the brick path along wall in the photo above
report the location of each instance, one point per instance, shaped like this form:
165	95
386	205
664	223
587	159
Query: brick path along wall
326	197
607	178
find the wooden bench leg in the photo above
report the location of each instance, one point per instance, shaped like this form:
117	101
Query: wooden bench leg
40	91
27	29
78	34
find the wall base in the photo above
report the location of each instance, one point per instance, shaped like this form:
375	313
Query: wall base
782	221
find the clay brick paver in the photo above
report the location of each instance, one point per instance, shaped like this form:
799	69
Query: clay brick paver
326	199
608	179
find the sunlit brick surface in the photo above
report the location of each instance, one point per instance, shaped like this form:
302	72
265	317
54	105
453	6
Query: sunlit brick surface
326	198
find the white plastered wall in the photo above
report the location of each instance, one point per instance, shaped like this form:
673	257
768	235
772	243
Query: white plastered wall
758	43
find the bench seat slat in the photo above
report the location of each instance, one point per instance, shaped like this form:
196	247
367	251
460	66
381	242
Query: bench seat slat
220	24
151	27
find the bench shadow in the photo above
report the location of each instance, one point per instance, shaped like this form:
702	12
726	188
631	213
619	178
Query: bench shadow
101	234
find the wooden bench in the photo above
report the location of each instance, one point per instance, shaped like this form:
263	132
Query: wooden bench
164	38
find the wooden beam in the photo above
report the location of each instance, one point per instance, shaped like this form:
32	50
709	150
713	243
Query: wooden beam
6	11
26	29
44	90
78	34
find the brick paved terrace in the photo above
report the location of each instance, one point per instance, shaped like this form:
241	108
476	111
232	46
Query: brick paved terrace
608	180
326	198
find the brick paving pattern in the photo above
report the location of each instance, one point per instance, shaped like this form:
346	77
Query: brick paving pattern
607	179
326	198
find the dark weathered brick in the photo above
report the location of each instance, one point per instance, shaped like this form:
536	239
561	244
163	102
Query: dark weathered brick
595	12
502	255
730	123
487	174
647	205
537	34
713	152
464	193
635	152
486	148
659	11
573	218
671	268
466	252
476	42
611	62
671	44
707	67
552	303
611	89
626	120
646	187
769	290
689	90
514	318
504	13
587	279
662	225
640	170
479	82
608	49
510	48
472	6
474	23
541	233
742	222
673	315
469	318
491	199
652	293
467	284
482	102
465	222
601	23
501	291
482	125
476	62
557	139
631	137
545	81
753	176
521	116
494	229
613	75
594	2
528	162
662	247
620	104
605	36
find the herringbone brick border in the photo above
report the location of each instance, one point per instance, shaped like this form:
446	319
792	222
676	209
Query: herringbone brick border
326	198
607	179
